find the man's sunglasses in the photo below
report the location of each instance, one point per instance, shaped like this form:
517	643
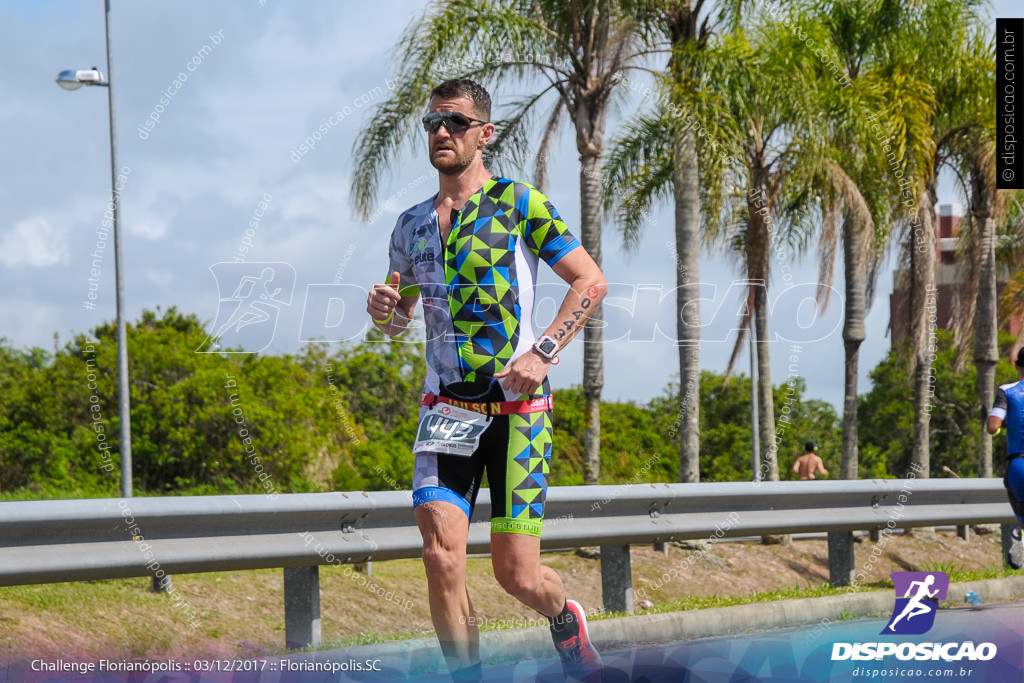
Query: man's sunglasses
452	120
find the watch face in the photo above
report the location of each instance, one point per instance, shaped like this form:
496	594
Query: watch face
547	346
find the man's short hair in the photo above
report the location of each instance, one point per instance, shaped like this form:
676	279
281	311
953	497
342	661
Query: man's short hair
811	446
1020	358
463	87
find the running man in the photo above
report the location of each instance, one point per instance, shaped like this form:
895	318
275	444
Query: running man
1008	411
471	254
809	463
915	606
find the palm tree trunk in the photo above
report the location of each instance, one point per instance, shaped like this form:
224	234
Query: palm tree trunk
593	334
986	394
682	32
986	352
765	397
924	307
687	223
854	334
758	246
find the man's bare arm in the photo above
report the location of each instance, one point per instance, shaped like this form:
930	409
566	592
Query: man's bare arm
587	287
994	424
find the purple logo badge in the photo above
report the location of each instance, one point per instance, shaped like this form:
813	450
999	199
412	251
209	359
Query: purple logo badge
917	599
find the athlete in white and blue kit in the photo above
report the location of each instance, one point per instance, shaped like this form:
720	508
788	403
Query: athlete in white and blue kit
1008	410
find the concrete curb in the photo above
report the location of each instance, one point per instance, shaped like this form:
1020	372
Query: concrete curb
608	634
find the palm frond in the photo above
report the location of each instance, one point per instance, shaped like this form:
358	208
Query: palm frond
637	171
511	144
455	37
540	168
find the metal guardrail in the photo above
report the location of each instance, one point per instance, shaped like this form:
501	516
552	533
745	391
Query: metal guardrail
76	540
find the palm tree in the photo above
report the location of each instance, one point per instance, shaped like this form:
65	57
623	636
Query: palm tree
748	78
981	278
939	42
976	309
879	150
857	194
917	89
576	50
661	156
680	26
746	159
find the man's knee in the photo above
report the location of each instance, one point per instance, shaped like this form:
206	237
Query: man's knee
517	581
443	563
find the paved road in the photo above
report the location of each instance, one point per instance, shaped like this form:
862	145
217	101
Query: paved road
779	656
791	655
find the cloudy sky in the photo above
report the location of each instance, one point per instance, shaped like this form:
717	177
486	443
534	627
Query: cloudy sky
266	75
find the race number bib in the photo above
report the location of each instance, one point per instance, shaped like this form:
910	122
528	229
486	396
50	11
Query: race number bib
447	429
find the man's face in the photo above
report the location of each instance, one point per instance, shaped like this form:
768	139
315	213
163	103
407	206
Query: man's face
451	153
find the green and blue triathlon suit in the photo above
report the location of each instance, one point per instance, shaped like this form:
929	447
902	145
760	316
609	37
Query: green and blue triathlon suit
478	292
1009	406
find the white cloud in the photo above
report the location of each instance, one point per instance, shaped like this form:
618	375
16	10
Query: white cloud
150	229
163	277
33	242
226	140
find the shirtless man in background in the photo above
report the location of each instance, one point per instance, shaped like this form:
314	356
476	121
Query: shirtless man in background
809	463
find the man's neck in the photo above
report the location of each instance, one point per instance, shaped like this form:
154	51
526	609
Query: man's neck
454	190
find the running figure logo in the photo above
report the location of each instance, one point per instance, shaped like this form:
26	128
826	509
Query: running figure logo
917	599
250	296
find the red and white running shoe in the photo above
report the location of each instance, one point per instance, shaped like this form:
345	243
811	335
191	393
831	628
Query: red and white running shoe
580	659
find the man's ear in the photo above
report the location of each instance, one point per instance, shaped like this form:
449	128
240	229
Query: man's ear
486	135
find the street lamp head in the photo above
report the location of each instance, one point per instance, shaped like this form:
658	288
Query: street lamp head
73	79
69	80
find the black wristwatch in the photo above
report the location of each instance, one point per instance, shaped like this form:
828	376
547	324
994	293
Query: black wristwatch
546	348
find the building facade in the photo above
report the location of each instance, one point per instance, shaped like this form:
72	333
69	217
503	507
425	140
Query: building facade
949	278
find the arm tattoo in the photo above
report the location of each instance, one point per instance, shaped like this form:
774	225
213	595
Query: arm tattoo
568	325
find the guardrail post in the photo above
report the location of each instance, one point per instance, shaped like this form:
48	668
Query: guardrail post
1007	531
301	607
963	531
160	584
616	579
840	558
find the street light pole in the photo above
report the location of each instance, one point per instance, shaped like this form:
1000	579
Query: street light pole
123	388
72	80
